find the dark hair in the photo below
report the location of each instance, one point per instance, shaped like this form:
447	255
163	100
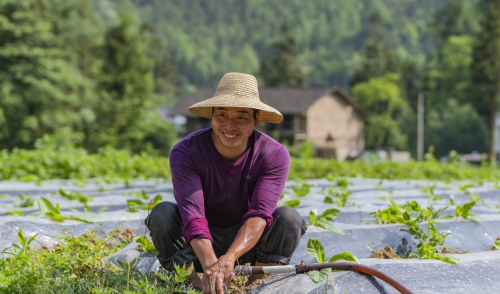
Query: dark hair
255	111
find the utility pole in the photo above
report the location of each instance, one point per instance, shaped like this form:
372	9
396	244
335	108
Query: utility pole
420	131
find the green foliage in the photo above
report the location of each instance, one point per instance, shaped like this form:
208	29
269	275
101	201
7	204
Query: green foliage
77	265
65	72
462	211
51	162
315	168
54	212
337	196
497	244
486	66
302	189
414	217
325	220
147	246
316	250
135	204
39	86
78	196
21	252
382	99
458	128
279	70
430	194
390	215
428	240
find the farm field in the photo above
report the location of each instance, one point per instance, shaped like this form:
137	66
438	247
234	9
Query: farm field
67	207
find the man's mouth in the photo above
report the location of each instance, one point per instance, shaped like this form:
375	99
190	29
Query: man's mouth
230	136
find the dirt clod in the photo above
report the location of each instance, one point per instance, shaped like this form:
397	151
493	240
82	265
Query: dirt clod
126	234
387	253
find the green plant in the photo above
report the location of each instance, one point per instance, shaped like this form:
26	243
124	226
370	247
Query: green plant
496	244
429	239
22	250
390	215
135	204
76	264
475	198
465	188
316	250
302	189
54	212
324	220
430	193
292	203
127	267
78	196
147	246
338	196
462	211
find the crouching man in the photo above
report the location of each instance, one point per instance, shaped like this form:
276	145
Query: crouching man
227	182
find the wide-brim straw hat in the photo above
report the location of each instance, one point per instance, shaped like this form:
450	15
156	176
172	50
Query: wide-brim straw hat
237	90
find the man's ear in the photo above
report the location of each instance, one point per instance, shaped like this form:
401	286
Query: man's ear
257	118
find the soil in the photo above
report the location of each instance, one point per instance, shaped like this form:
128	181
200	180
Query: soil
239	286
387	253
451	251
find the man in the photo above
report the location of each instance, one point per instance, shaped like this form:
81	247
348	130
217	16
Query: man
227	182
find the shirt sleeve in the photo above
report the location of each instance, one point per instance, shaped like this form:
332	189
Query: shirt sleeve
269	187
188	193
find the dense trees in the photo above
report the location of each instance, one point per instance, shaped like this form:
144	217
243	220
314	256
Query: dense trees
486	66
279	69
66	72
94	73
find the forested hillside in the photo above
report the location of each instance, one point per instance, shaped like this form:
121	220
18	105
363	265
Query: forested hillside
92	72
210	38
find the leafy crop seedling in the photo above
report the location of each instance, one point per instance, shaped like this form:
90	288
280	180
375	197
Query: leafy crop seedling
302	189
316	250
325	220
54	212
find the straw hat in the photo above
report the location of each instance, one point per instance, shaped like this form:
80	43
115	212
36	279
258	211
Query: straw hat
237	90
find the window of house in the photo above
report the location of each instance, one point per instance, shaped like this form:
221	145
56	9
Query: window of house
287	122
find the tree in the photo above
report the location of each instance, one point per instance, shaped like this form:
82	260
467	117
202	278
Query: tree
377	60
456	18
126	85
38	84
459	128
486	66
279	70
382	99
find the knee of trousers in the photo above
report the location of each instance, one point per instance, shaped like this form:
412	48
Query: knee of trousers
291	217
163	216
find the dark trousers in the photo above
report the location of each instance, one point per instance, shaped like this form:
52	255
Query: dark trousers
276	245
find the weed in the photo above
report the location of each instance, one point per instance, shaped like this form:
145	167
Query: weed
78	265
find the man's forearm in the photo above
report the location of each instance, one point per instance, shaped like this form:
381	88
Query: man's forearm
248	236
204	251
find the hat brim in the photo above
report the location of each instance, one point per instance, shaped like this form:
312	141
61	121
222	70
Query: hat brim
267	114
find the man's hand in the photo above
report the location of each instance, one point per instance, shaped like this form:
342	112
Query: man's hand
219	274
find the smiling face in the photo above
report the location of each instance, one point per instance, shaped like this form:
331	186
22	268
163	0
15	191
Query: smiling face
231	128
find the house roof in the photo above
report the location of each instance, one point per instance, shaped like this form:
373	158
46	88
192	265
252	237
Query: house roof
285	100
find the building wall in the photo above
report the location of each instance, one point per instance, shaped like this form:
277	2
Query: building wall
335	128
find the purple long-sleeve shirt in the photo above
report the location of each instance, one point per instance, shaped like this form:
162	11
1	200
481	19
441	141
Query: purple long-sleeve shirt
210	189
